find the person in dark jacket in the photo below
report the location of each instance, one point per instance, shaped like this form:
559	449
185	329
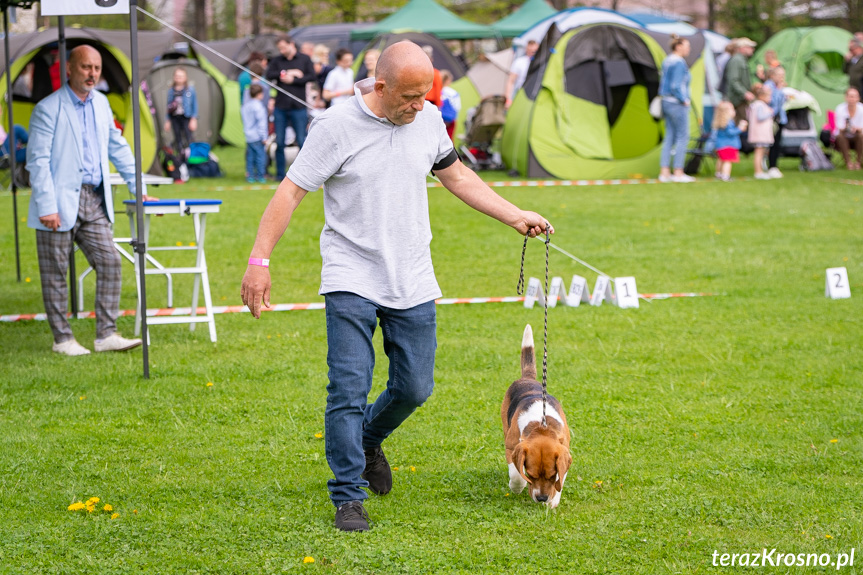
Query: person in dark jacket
290	71
854	64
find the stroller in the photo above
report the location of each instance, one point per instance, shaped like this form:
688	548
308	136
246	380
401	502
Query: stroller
482	126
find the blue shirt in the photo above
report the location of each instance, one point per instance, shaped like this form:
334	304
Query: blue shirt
89	138
777	102
727	137
675	79
255	124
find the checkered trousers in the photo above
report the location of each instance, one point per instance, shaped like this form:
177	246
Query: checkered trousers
93	234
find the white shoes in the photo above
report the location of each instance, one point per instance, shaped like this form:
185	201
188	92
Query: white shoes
681	179
116	342
70	347
762	176
774	173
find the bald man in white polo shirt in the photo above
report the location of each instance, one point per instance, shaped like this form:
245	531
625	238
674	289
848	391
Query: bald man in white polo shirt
372	154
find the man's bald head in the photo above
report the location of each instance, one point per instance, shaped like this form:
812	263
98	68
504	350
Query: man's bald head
403	77
401	59
81	51
84	70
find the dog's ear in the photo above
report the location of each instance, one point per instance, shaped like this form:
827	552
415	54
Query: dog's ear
518	456
564	460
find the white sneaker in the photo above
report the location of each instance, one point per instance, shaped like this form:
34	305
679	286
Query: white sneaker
70	347
762	176
116	342
682	179
774	173
666	179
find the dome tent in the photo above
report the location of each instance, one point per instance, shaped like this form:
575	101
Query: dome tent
813	59
31	54
583	110
211	103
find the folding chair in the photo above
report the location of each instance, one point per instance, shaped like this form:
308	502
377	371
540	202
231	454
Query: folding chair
700	156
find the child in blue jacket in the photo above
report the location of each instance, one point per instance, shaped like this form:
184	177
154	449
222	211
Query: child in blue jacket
726	140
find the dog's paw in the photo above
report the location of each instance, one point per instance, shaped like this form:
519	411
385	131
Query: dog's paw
516	481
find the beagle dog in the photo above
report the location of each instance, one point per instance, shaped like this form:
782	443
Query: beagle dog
537	455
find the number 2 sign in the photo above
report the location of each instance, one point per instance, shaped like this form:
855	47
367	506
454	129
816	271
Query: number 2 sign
837	284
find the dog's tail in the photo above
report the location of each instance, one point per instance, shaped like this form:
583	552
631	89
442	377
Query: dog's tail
528	354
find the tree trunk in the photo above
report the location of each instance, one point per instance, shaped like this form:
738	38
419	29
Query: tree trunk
256	17
200	30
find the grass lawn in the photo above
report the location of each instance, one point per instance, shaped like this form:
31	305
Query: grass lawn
727	424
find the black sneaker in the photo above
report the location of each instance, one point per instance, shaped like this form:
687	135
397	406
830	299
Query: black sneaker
377	471
352	516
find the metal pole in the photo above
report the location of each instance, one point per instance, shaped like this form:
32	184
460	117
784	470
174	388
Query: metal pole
61	52
12	145
139	243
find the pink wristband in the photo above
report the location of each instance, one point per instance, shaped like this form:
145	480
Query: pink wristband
264	263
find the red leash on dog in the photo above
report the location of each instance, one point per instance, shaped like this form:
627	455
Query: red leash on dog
520	291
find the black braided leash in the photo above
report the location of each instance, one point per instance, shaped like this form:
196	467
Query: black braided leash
520	291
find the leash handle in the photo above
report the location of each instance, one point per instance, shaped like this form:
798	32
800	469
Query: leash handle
519	288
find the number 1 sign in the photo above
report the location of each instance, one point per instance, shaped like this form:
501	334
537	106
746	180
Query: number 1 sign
837	284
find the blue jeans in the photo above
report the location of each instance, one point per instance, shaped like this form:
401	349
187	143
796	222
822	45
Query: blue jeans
298	120
256	160
351	423
676	134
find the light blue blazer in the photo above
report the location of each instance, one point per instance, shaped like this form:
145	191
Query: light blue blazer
55	162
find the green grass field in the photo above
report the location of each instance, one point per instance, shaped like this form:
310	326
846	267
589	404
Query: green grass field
727	424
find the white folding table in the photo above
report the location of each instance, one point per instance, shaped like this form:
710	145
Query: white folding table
117	180
198	209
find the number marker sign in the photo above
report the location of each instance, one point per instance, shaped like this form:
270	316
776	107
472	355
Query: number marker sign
837	284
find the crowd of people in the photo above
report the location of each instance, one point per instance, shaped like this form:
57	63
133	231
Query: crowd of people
752	115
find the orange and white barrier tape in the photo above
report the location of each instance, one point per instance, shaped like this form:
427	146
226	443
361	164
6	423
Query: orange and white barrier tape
217	310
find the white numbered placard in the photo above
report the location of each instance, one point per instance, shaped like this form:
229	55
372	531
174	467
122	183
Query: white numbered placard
602	291
81	7
837	284
625	292
578	292
554	291
534	293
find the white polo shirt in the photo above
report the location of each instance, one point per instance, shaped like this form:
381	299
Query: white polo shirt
376	237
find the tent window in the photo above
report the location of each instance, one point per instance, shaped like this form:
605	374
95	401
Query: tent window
619	73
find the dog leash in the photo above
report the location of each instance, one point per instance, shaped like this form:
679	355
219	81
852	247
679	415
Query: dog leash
520	291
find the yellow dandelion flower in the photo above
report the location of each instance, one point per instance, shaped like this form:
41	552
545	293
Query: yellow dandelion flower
93	501
108	507
308	559
91	508
77	506
179	244
413	468
192	244
395	468
115	516
135	511
209	384
834	441
828	536
319	435
27	280
82	398
506	495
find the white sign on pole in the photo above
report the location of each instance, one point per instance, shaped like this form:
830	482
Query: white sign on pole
83	7
534	293
625	292
601	291
837	284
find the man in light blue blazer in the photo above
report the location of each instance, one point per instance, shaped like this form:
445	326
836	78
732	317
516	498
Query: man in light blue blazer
72	138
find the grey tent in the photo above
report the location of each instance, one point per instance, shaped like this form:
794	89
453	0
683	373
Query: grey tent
238	50
211	102
333	36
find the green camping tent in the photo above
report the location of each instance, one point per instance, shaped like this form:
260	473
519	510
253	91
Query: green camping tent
426	16
583	111
531	12
31	58
813	60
